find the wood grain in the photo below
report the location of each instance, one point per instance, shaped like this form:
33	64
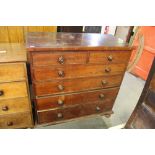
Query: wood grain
75	85
12	72
76	71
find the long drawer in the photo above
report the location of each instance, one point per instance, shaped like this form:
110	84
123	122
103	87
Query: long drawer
73	112
74	85
100	96
12	72
20	120
16	105
13	90
75	71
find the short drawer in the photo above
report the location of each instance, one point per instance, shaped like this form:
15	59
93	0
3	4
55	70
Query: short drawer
13	90
105	57
12	72
73	112
76	71
20	120
58	58
16	105
100	96
75	85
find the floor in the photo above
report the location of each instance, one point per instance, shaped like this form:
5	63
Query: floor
125	103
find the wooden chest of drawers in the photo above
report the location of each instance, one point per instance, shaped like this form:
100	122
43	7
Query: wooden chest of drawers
15	105
75	75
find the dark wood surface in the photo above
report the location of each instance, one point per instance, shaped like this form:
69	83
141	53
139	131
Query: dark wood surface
45	41
143	116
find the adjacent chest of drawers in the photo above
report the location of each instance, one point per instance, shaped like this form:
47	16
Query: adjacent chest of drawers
75	75
15	105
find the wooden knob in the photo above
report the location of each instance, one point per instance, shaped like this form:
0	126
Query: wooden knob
98	108
1	92
104	82
59	115
9	123
61	59
60	102
61	73
110	58
108	70
60	87
5	108
101	96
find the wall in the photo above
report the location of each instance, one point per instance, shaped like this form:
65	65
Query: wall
13	34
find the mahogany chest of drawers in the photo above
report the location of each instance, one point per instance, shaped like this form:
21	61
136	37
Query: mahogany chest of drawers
15	105
74	74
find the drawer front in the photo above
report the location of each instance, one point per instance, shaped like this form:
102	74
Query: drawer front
20	120
12	72
75	85
75	71
14	105
13	90
99	96
73	112
58	58
109	57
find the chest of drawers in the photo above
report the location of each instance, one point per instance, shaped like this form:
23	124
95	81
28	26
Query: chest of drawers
15	105
75	75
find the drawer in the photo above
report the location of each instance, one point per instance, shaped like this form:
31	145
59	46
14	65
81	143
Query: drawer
13	90
14	105
76	71
104	57
58	58
20	120
74	85
99	96
12	72
73	112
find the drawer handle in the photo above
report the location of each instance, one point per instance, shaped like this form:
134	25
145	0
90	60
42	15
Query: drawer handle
60	115
98	108
60	87
1	92
104	82
9	123
5	108
61	73
61	59
60	102
107	70
110	58
101	96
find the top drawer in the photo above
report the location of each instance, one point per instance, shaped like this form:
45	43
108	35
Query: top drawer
12	72
106	57
58	58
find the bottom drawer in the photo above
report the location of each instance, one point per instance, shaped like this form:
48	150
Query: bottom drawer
20	120
73	112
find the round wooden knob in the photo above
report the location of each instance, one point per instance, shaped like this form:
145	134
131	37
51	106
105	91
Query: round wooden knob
61	73
107	70
60	102
61	60
98	108
101	96
110	58
5	108
104	82
1	92
9	123
60	87
59	115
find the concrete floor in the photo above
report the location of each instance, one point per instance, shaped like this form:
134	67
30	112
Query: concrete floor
125	103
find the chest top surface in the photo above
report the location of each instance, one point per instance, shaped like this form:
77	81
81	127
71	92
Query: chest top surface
36	41
12	52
